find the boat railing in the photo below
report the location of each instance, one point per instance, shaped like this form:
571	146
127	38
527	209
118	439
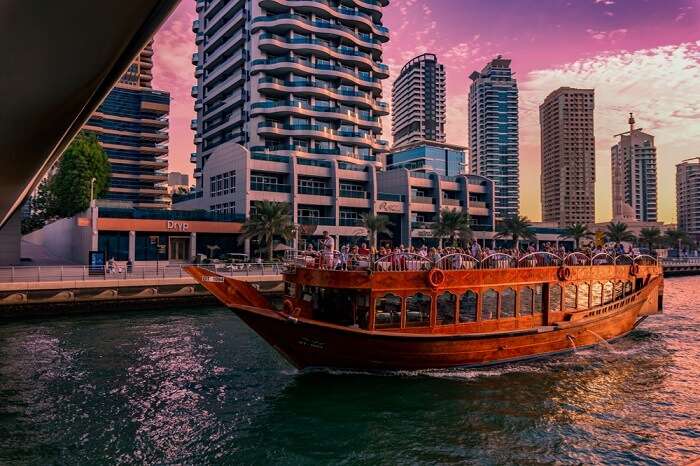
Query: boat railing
402	262
602	258
499	261
576	258
539	259
624	259
457	261
410	262
645	259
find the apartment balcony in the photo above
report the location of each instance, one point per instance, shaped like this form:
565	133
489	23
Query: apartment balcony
354	194
195	26
290	64
327	221
451	202
197	140
283	22
422	225
315	111
270	187
422	199
193	124
351	222
195	58
360	138
198	71
314	191
200	5
198	105
391	197
340	12
193	157
194	91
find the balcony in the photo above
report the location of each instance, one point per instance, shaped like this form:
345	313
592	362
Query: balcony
193	157
198	71
315	191
354	194
422	225
269	157
195	91
422	199
270	187
195	26
390	197
451	202
351	222
193	124
200	5
328	221
195	58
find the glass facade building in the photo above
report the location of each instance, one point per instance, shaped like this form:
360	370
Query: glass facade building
493	132
443	159
131	125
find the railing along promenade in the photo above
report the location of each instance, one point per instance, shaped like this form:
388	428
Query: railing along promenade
24	274
399	262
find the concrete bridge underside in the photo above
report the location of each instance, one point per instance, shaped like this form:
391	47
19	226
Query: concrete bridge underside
60	59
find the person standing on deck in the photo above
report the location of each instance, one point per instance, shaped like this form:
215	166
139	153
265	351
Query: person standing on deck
328	246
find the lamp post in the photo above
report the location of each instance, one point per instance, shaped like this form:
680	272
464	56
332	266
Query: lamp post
92	192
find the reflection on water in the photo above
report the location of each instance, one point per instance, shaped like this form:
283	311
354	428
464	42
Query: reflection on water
199	387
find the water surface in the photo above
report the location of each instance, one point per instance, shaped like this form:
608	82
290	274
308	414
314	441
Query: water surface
197	386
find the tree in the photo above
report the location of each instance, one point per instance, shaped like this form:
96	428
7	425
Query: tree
515	228
270	219
451	223
376	224
650	236
617	232
38	205
577	232
83	160
677	238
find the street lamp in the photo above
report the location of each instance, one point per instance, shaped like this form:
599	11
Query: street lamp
92	192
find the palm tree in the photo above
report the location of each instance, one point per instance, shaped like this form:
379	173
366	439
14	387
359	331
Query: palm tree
270	219
617	232
676	238
516	228
577	232
376	224
650	236
450	223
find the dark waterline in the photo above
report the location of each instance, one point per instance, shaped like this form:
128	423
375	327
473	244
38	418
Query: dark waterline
199	387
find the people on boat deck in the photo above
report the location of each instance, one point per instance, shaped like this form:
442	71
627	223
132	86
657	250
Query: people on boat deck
401	257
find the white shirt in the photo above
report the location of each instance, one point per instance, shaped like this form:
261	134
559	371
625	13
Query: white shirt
328	244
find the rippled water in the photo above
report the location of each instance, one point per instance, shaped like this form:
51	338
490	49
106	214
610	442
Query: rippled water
198	387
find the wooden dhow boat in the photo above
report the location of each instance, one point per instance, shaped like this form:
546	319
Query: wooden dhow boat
405	311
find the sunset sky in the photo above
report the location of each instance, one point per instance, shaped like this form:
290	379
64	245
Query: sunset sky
640	56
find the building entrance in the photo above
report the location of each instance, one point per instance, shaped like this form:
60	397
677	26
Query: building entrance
179	249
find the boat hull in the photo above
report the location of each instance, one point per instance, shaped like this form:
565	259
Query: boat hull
312	344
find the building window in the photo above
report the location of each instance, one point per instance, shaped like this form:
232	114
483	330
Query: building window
222	184
223	208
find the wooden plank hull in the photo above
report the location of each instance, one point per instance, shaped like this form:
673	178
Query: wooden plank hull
307	343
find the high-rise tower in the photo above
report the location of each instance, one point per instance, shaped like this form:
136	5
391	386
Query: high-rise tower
131	125
568	157
634	175
493	132
688	197
418	101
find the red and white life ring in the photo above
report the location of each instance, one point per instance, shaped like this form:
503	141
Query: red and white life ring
436	277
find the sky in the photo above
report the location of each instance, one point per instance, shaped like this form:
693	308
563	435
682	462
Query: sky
640	56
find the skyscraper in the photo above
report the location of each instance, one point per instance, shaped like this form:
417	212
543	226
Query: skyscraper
493	132
634	175
131	125
418	101
289	80
568	157
688	197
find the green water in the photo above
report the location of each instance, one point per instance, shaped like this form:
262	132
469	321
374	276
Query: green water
198	387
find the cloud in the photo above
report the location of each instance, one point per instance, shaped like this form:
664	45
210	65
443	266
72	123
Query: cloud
660	85
612	35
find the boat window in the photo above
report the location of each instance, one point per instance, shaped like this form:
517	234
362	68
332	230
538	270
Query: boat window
446	306
508	303
489	305
619	289
290	289
538	299
596	294
418	310
526	301
467	307
582	298
555	298
628	288
607	292
388	311
570	297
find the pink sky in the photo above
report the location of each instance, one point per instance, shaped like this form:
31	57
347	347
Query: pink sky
641	56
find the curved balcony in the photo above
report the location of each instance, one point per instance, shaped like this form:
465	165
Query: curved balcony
340	12
290	64
359	138
317	111
373	6
320	27
322	89
289	150
271	43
